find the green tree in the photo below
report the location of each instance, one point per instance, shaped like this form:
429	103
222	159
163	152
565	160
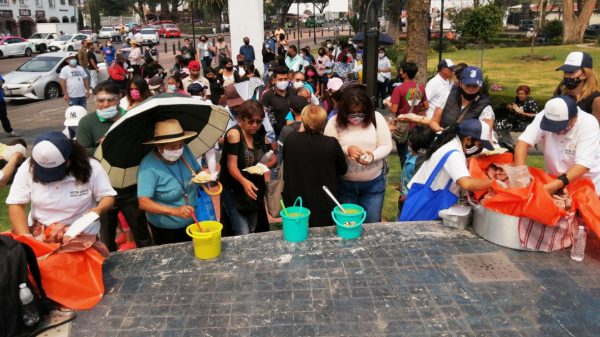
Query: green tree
482	24
214	7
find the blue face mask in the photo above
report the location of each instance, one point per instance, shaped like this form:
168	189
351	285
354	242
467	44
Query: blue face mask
107	113
73	62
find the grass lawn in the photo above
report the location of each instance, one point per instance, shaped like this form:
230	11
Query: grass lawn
503	66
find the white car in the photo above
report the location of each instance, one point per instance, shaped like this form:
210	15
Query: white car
149	36
107	33
38	77
67	42
14	45
42	40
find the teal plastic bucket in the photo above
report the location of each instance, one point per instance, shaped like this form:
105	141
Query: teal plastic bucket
349	225
295	223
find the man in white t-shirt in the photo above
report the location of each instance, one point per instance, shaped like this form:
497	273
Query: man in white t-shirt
74	82
568	136
438	88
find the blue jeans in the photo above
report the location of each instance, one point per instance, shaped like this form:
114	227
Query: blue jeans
82	101
368	194
240	224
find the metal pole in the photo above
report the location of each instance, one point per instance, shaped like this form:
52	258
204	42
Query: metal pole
315	25
441	32
298	23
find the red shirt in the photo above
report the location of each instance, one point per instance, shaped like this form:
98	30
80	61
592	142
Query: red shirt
407	90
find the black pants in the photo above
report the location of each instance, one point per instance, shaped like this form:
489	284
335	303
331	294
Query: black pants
382	90
127	203
4	117
163	236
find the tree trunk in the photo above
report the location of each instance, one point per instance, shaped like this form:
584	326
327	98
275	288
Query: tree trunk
417	36
216	14
164	8
574	24
140	11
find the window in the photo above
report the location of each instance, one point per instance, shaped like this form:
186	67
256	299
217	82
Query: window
3	2
51	3
23	2
62	2
38	3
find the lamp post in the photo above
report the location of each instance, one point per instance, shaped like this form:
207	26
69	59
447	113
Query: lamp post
371	38
193	25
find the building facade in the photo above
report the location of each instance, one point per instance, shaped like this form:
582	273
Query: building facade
19	17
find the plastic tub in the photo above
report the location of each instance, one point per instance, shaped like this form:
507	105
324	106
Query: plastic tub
295	223
207	244
457	216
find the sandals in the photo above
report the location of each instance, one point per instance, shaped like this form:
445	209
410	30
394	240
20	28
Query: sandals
56	318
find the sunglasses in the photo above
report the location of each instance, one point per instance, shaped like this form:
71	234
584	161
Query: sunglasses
254	121
106	99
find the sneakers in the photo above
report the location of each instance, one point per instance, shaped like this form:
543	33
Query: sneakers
14	134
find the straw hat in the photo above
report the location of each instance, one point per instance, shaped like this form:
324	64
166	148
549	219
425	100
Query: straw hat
169	131
135	42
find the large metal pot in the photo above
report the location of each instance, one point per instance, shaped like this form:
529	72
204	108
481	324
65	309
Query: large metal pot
498	228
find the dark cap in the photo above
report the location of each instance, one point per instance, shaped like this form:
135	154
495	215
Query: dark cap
575	61
557	113
297	104
50	153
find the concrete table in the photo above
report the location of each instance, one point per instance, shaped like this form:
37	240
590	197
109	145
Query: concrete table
400	279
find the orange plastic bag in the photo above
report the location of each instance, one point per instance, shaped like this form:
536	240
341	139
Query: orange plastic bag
520	202
72	279
586	203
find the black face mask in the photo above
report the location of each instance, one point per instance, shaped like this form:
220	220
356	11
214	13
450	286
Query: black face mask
571	83
229	68
467	96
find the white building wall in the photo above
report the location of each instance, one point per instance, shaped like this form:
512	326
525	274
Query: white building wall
19	17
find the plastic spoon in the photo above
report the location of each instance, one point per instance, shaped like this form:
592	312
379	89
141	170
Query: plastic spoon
333	198
197	222
283	207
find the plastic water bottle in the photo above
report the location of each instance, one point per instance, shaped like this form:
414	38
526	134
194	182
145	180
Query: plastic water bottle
578	249
31	316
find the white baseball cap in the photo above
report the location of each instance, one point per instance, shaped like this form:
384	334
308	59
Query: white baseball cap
575	61
74	114
557	113
50	153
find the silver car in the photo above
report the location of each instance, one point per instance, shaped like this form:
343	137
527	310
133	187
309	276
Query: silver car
38	77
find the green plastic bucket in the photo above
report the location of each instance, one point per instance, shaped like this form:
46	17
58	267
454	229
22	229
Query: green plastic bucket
295	223
349	225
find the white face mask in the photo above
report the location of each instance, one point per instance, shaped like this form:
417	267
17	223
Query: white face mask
282	85
171	87
172	155
298	84
381	55
329	45
107	113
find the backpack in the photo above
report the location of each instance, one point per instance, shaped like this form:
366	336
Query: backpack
16	259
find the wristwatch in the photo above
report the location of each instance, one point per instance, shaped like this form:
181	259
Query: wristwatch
564	179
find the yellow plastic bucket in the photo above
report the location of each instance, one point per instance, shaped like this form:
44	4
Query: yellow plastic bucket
207	244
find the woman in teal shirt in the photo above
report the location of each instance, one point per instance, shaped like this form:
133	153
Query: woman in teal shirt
165	189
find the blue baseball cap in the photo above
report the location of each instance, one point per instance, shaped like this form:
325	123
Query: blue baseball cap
478	130
50	153
575	61
471	76
557	113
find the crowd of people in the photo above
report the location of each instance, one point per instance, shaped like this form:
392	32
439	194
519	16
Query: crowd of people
308	119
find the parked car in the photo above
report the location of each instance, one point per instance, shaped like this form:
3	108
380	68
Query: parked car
67	42
42	40
87	32
136	29
107	33
526	24
169	30
38	77
592	30
14	45
149	37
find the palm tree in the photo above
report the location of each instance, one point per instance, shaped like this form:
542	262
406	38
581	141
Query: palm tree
417	36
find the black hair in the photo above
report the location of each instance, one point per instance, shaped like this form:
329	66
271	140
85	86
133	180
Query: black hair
142	86
280	70
420	138
250	108
177	77
448	135
79	167
293	47
352	97
297	103
108	87
224	61
410	69
280	60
